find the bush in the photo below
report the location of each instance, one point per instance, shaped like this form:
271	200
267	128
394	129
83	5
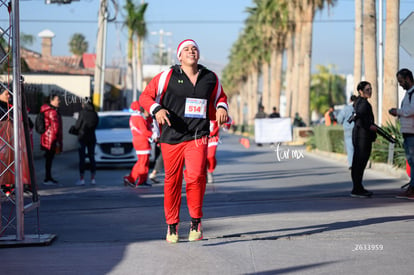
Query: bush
329	138
380	147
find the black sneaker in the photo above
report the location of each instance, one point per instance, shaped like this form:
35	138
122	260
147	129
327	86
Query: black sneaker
361	194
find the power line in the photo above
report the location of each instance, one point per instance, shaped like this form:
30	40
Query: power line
201	22
164	21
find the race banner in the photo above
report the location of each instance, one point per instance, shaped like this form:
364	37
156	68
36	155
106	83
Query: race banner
272	130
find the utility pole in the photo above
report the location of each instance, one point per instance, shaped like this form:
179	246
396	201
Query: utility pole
99	77
161	44
380	63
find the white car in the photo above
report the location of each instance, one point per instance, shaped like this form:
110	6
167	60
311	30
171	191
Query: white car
114	139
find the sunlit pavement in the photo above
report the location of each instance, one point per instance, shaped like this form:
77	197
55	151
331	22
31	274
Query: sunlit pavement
271	210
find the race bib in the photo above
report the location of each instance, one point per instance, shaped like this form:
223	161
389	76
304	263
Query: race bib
195	107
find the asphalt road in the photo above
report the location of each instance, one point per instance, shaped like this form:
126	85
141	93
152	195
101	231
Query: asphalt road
271	210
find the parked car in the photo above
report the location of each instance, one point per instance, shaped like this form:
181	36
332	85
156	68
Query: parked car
114	139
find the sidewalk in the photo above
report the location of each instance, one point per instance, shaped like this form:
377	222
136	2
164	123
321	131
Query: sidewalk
271	211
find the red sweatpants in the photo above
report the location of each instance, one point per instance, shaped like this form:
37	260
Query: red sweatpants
193	155
140	170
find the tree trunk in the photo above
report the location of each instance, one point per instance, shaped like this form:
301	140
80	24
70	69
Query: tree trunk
358	44
242	104
276	78
250	100
306	59
289	73
391	60
266	101
234	109
370	51
296	64
254	88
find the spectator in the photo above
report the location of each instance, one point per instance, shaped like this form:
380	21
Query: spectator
330	118
406	116
363	135
298	121
85	128
6	138
343	117
261	113
275	113
51	139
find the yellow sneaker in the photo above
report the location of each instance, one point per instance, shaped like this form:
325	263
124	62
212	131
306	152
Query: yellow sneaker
172	233
196	232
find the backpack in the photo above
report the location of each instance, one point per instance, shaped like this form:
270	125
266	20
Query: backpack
40	126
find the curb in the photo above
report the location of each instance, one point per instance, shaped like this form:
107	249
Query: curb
383	167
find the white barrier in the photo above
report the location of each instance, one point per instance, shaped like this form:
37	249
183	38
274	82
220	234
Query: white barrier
271	130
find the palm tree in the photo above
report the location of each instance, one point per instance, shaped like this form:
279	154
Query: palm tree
270	20
291	36
358	43
78	44
280	21
370	51
391	55
289	47
327	89
26	39
141	33
136	28
294	80
307	12
234	79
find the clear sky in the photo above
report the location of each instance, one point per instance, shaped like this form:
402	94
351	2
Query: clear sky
214	24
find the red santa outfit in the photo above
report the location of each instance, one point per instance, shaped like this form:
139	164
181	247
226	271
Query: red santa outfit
212	146
213	141
184	143
141	133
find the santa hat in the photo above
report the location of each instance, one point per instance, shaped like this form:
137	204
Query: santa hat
135	106
186	43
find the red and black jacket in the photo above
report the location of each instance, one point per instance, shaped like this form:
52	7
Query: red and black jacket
170	90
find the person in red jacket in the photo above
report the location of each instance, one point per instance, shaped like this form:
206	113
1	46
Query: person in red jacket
183	100
51	139
141	134
213	140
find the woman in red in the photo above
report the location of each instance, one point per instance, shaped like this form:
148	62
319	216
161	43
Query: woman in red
141	133
51	139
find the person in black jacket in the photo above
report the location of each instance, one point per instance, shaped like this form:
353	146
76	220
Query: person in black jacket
85	128
363	134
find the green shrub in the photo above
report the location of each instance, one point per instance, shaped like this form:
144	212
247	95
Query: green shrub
380	147
329	138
